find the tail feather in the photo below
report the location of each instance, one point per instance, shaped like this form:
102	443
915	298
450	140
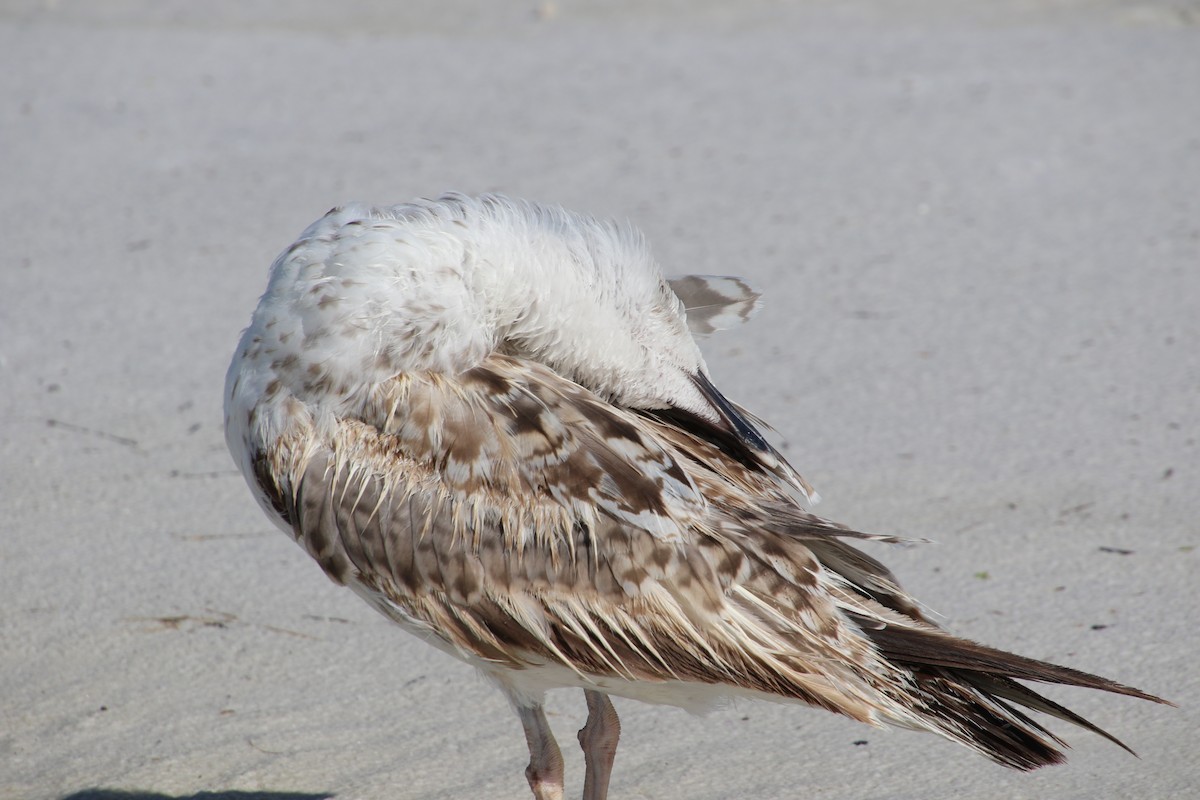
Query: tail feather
932	647
1012	691
970	693
985	723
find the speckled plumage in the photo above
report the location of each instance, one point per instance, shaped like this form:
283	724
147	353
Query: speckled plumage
490	419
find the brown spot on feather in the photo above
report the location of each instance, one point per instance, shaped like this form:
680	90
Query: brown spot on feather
609	424
285	364
490	380
265	478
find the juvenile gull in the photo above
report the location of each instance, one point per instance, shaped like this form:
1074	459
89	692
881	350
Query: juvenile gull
489	418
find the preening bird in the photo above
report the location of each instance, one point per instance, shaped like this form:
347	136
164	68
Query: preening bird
490	419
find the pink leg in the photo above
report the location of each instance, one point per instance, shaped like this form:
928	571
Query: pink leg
545	770
598	738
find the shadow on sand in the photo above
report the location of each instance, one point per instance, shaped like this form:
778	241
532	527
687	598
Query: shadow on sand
126	794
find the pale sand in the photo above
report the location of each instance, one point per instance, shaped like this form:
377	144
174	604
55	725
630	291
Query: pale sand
979	238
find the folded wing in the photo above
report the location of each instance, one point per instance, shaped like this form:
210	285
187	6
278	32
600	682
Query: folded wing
518	520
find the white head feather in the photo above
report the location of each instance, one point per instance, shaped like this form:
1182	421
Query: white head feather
368	292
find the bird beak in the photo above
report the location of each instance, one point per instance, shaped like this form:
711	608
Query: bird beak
732	420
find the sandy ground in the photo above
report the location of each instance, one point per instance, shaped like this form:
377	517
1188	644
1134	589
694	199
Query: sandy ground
978	232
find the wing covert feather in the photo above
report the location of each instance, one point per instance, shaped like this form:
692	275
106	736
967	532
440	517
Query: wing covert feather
521	520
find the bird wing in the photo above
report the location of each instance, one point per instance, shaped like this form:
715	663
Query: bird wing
513	517
521	520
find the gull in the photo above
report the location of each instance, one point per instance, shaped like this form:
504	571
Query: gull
490	419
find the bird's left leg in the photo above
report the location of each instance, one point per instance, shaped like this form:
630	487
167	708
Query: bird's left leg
598	738
545	770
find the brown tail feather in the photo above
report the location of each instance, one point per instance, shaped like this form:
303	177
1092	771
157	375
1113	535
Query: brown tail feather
1023	695
928	647
985	723
965	687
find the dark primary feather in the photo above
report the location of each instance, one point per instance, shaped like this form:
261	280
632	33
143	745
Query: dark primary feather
948	666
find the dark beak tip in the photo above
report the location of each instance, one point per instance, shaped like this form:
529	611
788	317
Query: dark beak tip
733	420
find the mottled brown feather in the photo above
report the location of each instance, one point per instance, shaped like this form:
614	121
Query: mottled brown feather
521	521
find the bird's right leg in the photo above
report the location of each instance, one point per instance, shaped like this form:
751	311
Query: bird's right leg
545	770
